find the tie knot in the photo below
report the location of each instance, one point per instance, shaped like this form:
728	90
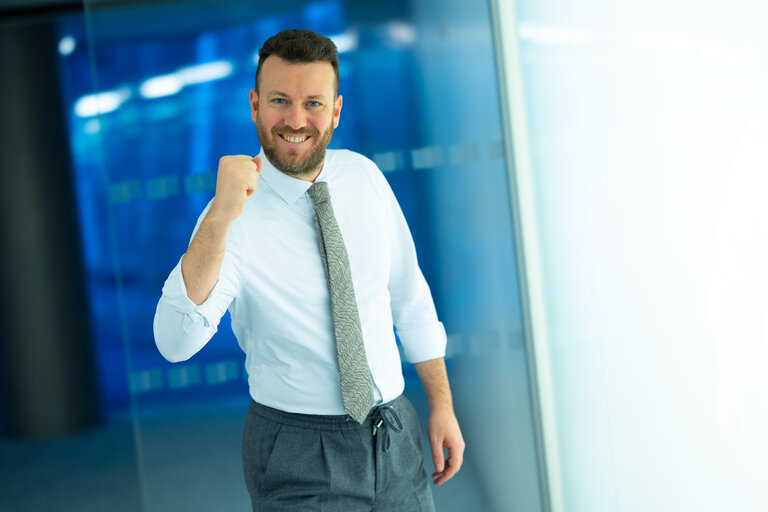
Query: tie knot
319	192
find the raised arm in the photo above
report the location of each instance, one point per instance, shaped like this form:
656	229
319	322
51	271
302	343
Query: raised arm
206	280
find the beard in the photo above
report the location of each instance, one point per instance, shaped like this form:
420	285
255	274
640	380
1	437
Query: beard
289	162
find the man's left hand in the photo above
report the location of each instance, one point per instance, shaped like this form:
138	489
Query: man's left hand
443	430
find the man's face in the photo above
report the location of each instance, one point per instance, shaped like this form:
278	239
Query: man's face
295	112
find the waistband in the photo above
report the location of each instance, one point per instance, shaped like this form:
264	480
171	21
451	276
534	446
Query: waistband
319	421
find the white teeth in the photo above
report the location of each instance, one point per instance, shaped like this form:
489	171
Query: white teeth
294	139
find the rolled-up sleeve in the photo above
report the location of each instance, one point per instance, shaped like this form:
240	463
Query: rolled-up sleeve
421	334
182	327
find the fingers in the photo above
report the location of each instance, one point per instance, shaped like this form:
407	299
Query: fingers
252	182
444	432
452	464
437	454
451	469
236	180
259	163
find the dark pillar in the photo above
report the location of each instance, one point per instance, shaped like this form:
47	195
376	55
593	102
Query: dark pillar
47	371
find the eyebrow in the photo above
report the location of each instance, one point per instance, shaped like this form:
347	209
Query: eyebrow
310	97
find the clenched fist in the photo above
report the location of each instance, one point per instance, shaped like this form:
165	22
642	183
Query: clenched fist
237	179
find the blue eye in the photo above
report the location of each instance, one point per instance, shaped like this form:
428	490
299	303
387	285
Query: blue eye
314	103
279	101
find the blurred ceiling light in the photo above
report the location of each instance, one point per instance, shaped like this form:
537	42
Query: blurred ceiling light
556	34
205	72
346	41
67	45
663	40
102	102
402	33
172	83
158	86
729	55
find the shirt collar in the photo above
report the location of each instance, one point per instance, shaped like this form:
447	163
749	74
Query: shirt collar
287	187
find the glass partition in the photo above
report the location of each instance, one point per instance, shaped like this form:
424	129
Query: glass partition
170	97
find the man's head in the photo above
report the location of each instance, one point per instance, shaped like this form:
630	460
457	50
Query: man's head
300	46
295	103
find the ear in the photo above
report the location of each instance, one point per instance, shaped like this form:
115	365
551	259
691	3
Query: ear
336	111
254	98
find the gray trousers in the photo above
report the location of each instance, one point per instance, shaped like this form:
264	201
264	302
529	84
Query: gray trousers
332	463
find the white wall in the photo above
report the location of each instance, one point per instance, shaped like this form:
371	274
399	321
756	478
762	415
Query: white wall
648	126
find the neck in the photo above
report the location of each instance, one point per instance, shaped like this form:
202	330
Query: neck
310	176
313	176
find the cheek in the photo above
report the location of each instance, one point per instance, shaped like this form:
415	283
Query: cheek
267	120
322	122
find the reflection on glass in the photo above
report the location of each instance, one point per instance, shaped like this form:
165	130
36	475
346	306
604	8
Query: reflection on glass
420	99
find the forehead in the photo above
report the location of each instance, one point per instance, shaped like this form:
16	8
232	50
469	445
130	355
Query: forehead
297	79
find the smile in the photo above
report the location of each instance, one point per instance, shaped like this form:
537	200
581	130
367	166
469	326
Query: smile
294	139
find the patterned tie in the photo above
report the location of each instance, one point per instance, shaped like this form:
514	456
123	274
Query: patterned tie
354	373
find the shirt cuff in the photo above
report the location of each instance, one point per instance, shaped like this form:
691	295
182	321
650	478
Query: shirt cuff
175	294
423	343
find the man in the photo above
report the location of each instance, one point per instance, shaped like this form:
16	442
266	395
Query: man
310	252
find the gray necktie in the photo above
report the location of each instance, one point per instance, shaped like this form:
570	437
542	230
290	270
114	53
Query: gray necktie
354	373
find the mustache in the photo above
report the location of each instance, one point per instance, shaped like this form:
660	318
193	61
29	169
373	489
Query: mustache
294	133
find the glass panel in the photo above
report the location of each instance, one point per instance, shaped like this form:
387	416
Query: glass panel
74	465
420	99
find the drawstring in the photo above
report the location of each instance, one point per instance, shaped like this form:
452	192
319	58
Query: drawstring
385	416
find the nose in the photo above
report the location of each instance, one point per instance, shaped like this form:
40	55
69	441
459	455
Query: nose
296	117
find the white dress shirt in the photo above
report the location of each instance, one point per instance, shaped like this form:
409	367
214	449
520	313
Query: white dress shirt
273	282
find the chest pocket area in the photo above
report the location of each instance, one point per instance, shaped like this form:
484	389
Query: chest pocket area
366	238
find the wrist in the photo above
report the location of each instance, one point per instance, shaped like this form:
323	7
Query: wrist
218	217
440	406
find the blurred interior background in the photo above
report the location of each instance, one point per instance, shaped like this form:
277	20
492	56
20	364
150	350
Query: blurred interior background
584	183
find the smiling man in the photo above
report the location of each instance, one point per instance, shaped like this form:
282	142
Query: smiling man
311	254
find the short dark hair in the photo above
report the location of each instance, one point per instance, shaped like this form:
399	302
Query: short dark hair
300	46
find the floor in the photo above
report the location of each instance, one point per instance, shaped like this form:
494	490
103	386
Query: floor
189	461
186	457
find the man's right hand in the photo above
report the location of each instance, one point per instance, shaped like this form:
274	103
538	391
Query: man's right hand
237	179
